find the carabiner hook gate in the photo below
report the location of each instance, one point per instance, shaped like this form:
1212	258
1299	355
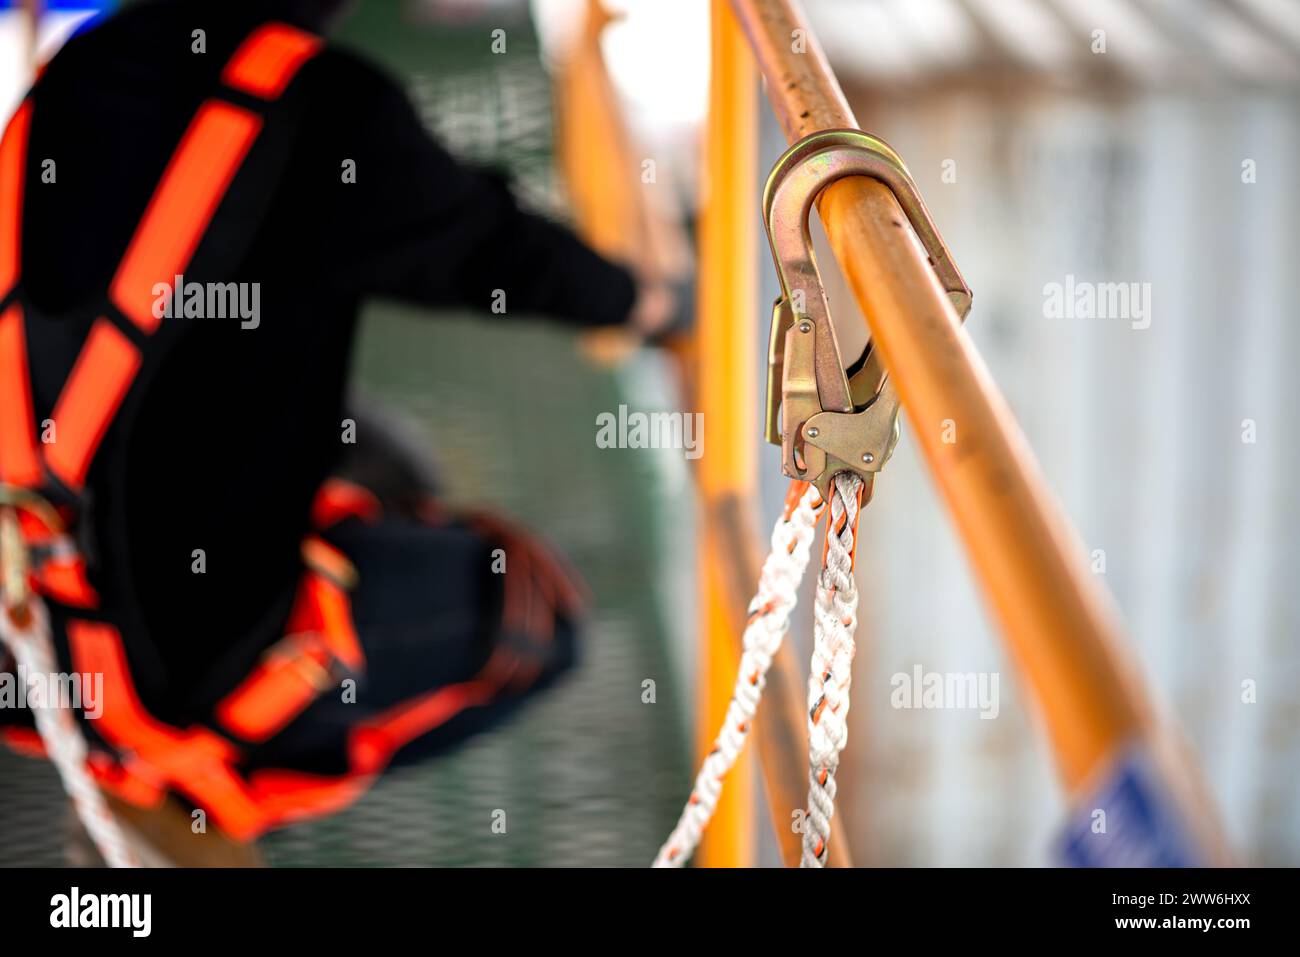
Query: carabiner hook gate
825	420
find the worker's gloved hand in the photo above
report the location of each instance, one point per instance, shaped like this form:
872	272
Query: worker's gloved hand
664	308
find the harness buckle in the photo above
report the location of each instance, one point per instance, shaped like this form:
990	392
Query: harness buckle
15	558
825	419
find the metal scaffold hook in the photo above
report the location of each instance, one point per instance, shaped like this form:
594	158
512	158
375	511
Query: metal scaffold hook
825	419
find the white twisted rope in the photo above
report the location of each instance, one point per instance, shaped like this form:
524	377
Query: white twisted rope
769	618
33	651
835	611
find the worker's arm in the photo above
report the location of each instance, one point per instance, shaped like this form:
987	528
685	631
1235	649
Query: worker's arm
423	227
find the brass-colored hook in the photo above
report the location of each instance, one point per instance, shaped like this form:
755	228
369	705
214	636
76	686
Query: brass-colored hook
824	420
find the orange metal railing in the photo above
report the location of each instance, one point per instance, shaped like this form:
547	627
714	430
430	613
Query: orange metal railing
1059	622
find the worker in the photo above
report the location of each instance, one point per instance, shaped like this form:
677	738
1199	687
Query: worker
199	196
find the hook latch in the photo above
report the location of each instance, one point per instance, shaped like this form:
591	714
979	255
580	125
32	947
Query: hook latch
827	419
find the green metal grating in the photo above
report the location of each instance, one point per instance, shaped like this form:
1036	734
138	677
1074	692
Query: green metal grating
589	775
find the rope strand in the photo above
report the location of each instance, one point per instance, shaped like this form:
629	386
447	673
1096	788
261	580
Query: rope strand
835	611
769	619
33	653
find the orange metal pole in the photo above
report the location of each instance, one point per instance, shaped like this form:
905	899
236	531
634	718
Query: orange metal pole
733	552
593	149
614	213
1059	622
728	396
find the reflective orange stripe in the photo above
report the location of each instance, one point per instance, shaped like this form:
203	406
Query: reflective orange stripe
99	380
372	744
64	580
286	796
266	62
19	464
178	215
188	195
200	764
97	649
335	623
129	780
24	741
287	679
195	761
297	669
13	152
338	499
34	529
324	559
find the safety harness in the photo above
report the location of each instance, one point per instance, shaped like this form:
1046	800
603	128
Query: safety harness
40	557
42	490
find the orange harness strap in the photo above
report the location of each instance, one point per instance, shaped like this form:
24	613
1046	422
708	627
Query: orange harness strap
195	182
193	186
207	159
200	763
299	667
90	399
187	196
264	66
195	761
13	152
19	464
338	499
371	745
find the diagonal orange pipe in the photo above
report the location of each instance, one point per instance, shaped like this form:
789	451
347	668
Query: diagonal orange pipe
1059	622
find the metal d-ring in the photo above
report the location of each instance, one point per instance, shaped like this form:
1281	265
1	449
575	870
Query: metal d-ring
14	559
